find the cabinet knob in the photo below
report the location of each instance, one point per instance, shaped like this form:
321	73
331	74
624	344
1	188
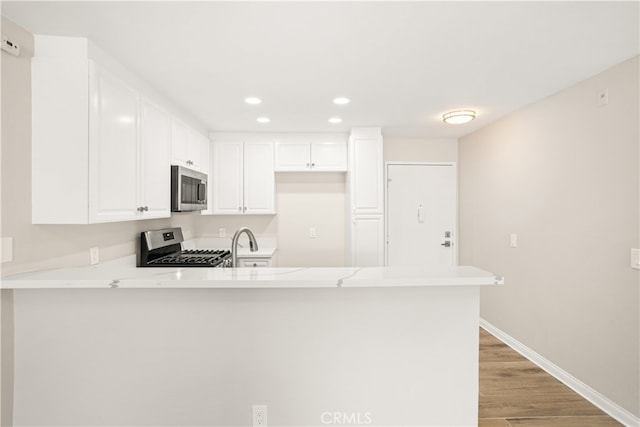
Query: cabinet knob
307	164
313	164
244	209
146	208
239	208
255	264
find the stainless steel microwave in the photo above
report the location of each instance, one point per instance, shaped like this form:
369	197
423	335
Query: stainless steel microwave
188	190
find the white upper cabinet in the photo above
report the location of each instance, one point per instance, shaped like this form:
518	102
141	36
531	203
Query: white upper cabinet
226	182
113	146
242	180
314	153
155	158
366	175
188	147
100	150
259	179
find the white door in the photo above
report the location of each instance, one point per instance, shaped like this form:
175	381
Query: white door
113	151
226	180
155	162
367	241
292	156
179	143
329	156
259	178
421	215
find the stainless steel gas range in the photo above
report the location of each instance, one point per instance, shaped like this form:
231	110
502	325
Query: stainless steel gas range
163	248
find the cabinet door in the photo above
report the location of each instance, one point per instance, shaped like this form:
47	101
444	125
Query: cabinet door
113	145
366	176
292	156
329	156
259	178
179	143
227	178
199	152
155	161
367	241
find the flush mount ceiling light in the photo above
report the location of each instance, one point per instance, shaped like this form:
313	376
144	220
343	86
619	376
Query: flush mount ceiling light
263	119
335	120
341	100
459	116
252	100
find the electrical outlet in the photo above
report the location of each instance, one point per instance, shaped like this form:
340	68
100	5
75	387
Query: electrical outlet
635	259
312	232
7	249
94	255
222	232
513	240
259	415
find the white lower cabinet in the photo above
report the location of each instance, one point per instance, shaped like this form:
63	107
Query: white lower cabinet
367	241
243	180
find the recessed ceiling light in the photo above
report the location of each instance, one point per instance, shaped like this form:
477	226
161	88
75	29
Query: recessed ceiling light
252	100
335	120
459	117
263	119
341	100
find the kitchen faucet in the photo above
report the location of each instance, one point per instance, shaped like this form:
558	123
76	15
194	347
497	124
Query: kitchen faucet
253	244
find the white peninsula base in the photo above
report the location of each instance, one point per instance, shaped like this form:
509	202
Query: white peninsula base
203	357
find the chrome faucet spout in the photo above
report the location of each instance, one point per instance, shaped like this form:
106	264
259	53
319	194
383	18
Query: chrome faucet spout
253	244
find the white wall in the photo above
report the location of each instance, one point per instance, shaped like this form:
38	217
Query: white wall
563	175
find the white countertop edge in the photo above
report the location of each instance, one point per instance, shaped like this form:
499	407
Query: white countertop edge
123	274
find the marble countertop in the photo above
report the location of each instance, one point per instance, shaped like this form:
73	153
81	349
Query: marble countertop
123	273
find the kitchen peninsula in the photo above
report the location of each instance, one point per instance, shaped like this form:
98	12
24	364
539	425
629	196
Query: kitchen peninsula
116	345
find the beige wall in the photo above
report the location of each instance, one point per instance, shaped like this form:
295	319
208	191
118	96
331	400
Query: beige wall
420	150
563	175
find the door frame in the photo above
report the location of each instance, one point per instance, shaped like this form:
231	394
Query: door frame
454	240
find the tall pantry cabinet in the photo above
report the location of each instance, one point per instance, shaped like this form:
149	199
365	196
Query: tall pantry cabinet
366	198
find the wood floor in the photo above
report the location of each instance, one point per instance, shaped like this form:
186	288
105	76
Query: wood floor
514	392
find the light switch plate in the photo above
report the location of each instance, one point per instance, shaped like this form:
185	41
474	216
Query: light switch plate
635	259
513	240
7	249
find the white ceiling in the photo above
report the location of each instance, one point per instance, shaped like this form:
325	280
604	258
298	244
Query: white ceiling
403	64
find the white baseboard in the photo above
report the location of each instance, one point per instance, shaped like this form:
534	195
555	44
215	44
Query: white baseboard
611	408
